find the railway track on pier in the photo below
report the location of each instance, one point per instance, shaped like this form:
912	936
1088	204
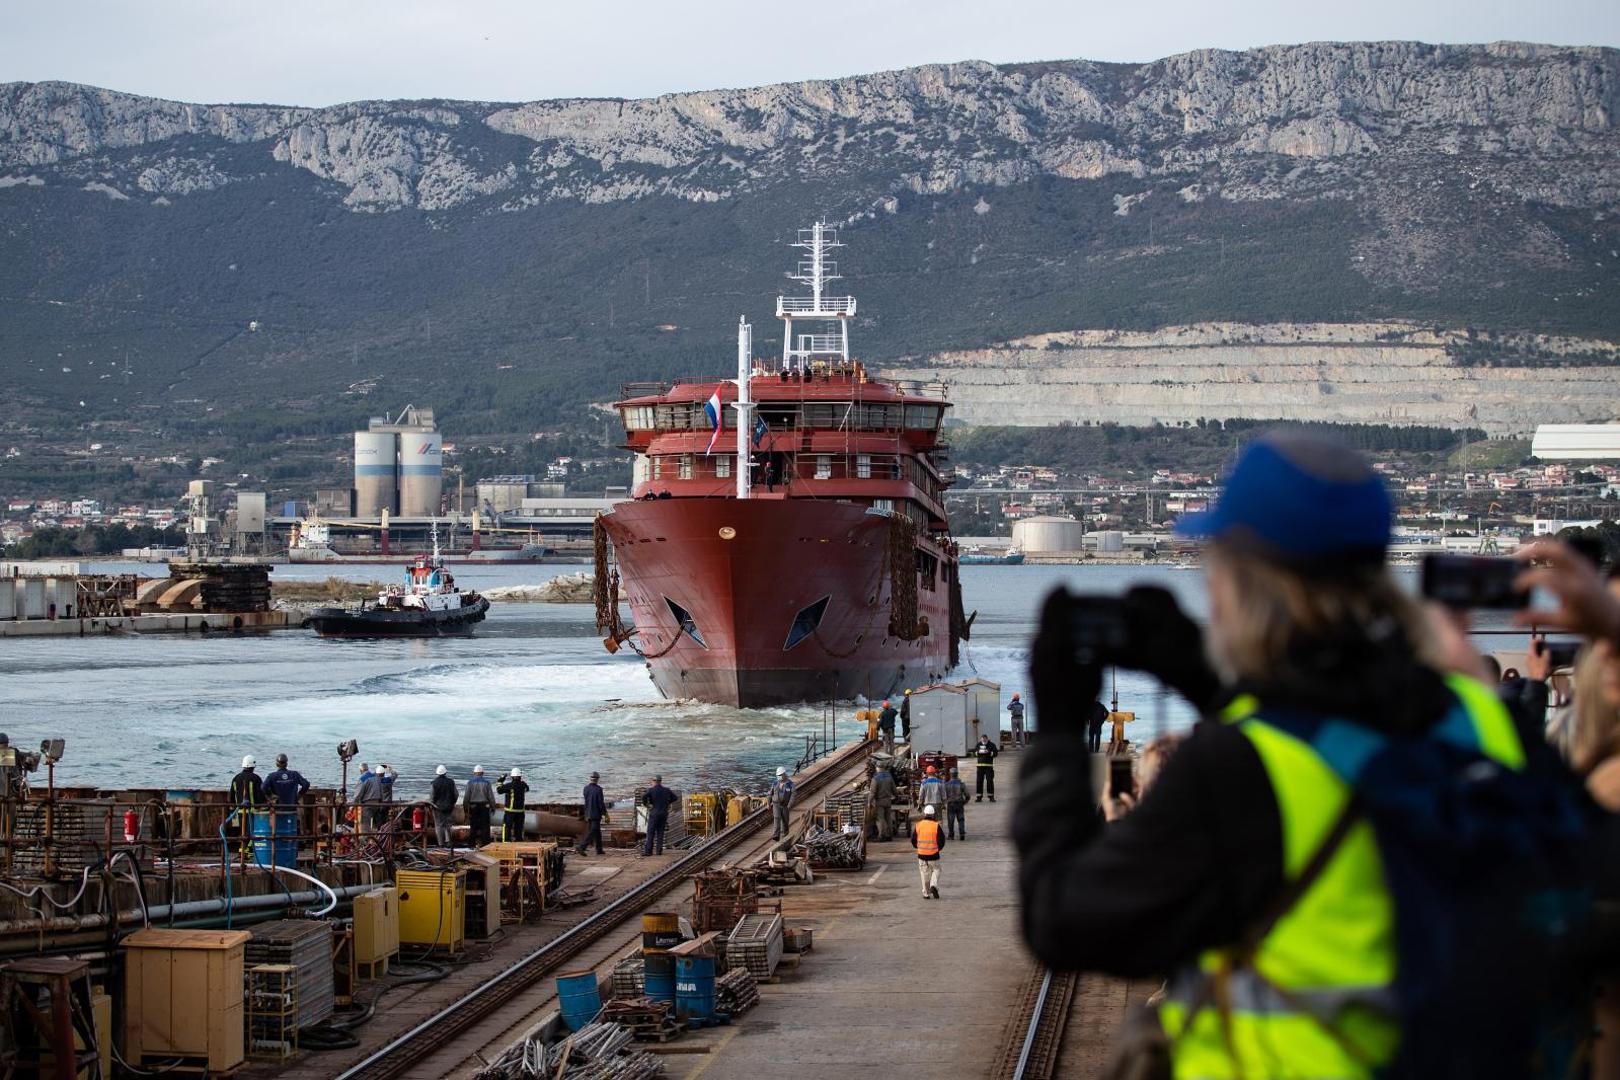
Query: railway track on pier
1036	1035
404	1052
1068	1024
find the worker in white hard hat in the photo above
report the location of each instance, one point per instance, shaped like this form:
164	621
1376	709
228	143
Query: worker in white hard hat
480	803
442	796
781	802
247	795
929	840
514	789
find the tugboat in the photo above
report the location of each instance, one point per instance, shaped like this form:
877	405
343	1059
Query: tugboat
428	605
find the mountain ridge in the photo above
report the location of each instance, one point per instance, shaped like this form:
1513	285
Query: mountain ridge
512	262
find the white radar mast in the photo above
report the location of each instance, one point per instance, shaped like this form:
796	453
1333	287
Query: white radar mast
815	269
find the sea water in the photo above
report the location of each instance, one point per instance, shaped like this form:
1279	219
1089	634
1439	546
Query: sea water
533	688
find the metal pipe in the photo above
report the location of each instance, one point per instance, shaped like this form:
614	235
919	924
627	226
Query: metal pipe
188	909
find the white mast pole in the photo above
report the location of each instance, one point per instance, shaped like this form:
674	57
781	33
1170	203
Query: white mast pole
745	342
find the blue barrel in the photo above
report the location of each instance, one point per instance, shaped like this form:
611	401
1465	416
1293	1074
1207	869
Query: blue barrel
694	987
268	852
581	998
660	976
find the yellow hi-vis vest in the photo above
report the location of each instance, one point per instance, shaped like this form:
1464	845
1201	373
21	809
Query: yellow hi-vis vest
1317	1000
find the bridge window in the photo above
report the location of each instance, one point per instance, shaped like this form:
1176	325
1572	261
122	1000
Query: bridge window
722	466
823	466
685	467
863	466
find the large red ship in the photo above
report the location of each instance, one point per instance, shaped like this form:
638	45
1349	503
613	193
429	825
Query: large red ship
786	540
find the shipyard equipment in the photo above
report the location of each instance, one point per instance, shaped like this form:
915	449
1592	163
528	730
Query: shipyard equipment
376	929
183	997
432	908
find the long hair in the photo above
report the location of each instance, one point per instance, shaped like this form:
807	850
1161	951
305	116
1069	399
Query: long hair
1284	627
1596	732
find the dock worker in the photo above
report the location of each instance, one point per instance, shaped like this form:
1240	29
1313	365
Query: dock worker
1015	709
1094	726
442	795
479	799
247	795
956	798
285	787
931	792
905	715
984	756
886	726
595	811
929	840
883	796
367	798
658	799
514	789
781	802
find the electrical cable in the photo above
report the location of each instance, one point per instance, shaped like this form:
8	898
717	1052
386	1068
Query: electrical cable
332	902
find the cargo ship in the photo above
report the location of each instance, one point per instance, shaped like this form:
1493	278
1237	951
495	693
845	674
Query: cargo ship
786	539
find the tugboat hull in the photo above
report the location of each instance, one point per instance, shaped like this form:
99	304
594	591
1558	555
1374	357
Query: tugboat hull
382	623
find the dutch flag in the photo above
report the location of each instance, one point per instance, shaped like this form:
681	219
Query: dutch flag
711	409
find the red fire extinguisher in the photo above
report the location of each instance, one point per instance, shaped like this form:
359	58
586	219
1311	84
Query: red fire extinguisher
418	819
132	826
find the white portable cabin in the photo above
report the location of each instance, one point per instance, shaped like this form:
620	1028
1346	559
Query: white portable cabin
942	720
984	708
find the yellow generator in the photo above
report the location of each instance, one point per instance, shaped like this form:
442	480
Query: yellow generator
376	930
432	908
705	814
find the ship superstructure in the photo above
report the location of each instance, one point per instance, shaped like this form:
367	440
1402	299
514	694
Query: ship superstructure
787	537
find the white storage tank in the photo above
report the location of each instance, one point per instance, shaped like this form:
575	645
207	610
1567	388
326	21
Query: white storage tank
375	473
421	473
1047	533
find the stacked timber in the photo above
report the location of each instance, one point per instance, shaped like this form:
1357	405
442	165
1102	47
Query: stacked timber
652	1021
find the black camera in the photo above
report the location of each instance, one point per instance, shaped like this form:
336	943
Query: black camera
1101	629
1474	581
1560	654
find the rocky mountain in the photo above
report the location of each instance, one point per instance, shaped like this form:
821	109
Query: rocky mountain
511	261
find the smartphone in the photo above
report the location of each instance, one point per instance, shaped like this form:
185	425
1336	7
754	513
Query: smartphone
1098	624
1121	777
1473	581
1561	654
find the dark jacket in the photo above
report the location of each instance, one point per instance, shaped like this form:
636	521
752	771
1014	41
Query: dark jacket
883	787
247	789
985	753
658	799
479	792
595	803
370	790
905	709
1098	717
1016	711
286	787
782	793
886	719
443	794
956	792
515	789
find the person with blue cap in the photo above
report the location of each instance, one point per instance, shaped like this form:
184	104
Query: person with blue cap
1318	800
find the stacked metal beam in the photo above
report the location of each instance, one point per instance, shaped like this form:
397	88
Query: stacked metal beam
735	992
825	850
721	897
756	944
846	809
630	977
306	946
78	835
599	1051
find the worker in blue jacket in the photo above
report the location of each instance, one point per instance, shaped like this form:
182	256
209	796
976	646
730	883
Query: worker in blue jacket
285	786
658	799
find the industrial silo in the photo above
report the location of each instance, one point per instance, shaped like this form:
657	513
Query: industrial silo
375	473
421	473
1046	534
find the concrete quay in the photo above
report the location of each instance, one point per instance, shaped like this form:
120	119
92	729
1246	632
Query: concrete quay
893	981
195	623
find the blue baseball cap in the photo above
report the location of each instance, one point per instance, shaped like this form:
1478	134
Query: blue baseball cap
1310	503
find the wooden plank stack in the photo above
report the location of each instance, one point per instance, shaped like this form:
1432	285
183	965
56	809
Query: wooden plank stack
756	945
652	1021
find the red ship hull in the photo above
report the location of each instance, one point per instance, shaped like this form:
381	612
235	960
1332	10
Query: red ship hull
743	571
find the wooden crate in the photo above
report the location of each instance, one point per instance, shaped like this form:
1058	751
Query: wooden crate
183	996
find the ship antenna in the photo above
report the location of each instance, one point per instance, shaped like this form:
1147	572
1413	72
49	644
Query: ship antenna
744	404
815	269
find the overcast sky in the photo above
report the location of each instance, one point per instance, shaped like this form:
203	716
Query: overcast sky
318	52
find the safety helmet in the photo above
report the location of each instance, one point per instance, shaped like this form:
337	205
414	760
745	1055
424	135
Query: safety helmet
478	770
931	770
248	762
929	809
1015	695
780	771
885	703
517	771
439	771
908	693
